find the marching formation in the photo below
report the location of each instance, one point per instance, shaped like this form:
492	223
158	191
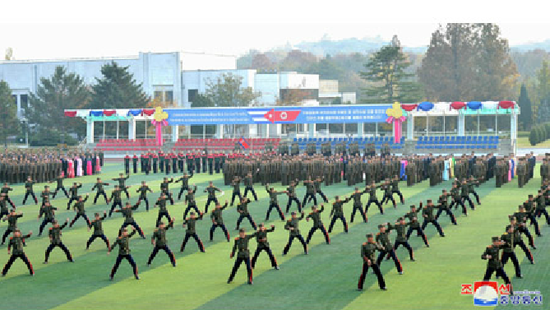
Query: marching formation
381	175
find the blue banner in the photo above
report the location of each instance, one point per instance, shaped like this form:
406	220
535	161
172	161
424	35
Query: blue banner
279	115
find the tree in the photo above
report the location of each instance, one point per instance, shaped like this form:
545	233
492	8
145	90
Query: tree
55	94
117	89
227	91
526	116
386	72
467	62
9	124
202	101
543	80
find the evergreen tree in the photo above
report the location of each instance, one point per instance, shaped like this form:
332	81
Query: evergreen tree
526	116
55	94
9	124
117	89
389	81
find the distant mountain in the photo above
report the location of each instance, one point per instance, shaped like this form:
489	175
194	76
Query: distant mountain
325	47
544	45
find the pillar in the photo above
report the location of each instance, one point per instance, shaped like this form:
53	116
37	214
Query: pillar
410	127
360	130
219	131
461	121
175	133
132	129
312	128
89	130
513	125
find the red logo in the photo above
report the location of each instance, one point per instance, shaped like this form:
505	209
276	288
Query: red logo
466	289
281	116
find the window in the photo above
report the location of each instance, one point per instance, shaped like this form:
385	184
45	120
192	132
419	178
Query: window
159	95
14	98
24	102
192	94
168	96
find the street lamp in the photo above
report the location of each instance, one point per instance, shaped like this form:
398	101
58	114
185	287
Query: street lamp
26	123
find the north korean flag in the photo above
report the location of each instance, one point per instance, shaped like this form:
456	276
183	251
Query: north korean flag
244	143
281	116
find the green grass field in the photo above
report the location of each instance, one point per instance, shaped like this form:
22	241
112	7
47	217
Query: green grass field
324	279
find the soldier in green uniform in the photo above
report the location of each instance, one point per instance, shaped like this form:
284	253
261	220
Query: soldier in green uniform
12	218
190	201
337	213
55	241
5	191
263	245
518	240
217	221
59	181
163	211
73	190
494	264
128	213
395	189
165	188
508	250
211	190
401	239
317	183
383	238
158	240
80	210
97	225
315	215
273	202
15	250
123	243
191	232
521	171
387	188
184	183
142	190
291	192
368	255
293	227
540	208
122	183
357	205
310	192
48	212
100	190
443	206
236	184
429	218
29	191
242	209
373	199
249	186
243	255
116	197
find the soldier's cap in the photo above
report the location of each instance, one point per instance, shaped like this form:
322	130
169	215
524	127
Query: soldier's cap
401	219
511	217
508	227
380	226
521	207
261	225
242	230
413	206
530	195
293	213
370	236
495	239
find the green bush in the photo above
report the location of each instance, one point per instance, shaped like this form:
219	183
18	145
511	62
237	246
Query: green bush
533	137
49	137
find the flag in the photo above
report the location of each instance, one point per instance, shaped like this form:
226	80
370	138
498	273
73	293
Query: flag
244	143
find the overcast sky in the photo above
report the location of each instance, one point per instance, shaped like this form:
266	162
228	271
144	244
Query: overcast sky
98	29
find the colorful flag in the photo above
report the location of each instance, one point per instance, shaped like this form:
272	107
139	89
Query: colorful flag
244	143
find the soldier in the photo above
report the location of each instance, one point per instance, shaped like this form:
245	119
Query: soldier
165	189
236	189
45	194
123	242
217	221
158	240
80	210
242	209
127	164
317	183
315	215
263	245
494	264
116	198
48	211
457	199
529	209
59	181
310	192
387	188
357	205
337	212
401	239
243	255
293	227
5	191
211	189
412	215
191	231
190	201
521	217
142	190
134	163
368	251
291	192
373	199
122	184
508	250
55	241
12	218
428	215
100	190
518	240
29	191
273	202
163	211
128	213
471	188
16	244
443	205
540	208
249	186
383	238
73	190
184	183
97	225
3	206
395	189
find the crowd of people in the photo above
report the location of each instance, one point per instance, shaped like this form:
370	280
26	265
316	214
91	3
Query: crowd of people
378	173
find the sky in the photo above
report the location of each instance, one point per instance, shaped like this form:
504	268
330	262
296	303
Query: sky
64	29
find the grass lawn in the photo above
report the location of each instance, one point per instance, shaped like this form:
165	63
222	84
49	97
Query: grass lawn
324	279
524	143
